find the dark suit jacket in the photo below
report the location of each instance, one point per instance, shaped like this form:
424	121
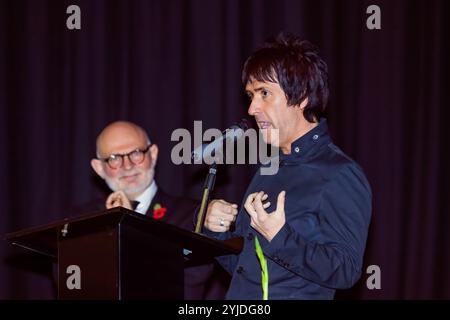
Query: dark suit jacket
178	211
321	246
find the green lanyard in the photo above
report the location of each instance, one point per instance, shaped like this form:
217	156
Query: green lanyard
264	272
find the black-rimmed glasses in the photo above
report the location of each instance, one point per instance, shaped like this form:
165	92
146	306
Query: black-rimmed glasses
136	157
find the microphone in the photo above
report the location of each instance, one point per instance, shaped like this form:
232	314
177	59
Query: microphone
233	133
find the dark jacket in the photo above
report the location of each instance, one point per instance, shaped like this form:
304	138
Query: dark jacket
320	248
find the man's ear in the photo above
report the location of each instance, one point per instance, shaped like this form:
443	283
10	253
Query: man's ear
98	167
154	153
303	104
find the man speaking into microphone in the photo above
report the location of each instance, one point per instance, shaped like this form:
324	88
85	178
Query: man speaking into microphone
311	218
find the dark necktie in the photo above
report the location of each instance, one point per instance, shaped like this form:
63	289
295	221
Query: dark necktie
134	204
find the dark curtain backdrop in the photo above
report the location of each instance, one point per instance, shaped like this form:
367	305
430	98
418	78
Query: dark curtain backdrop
164	64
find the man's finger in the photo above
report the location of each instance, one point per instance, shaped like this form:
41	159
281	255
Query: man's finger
221	206
226	203
249	206
251	211
250	198
112	201
229	209
234	210
280	201
225	217
257	204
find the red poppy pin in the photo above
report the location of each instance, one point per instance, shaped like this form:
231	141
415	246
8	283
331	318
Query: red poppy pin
158	211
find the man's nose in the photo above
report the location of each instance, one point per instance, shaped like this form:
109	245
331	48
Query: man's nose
253	108
127	164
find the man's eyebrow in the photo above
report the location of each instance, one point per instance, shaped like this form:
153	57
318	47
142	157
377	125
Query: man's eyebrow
257	89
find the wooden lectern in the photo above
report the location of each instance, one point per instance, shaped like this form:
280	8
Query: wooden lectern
120	254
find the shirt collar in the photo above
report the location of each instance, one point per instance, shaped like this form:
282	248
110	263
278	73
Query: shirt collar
308	142
145	199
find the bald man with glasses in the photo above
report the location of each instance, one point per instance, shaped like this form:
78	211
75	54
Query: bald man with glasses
126	160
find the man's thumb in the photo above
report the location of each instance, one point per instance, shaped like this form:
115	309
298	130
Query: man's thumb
280	200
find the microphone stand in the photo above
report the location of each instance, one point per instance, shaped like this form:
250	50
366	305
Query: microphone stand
207	189
209	183
236	243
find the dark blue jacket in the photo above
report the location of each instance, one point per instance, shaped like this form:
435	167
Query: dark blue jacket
320	248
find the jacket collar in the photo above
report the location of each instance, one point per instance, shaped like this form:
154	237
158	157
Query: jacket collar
306	145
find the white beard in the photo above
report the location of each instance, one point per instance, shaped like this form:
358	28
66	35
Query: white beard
148	178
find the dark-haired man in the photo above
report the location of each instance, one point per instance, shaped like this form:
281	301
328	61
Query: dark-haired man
312	217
